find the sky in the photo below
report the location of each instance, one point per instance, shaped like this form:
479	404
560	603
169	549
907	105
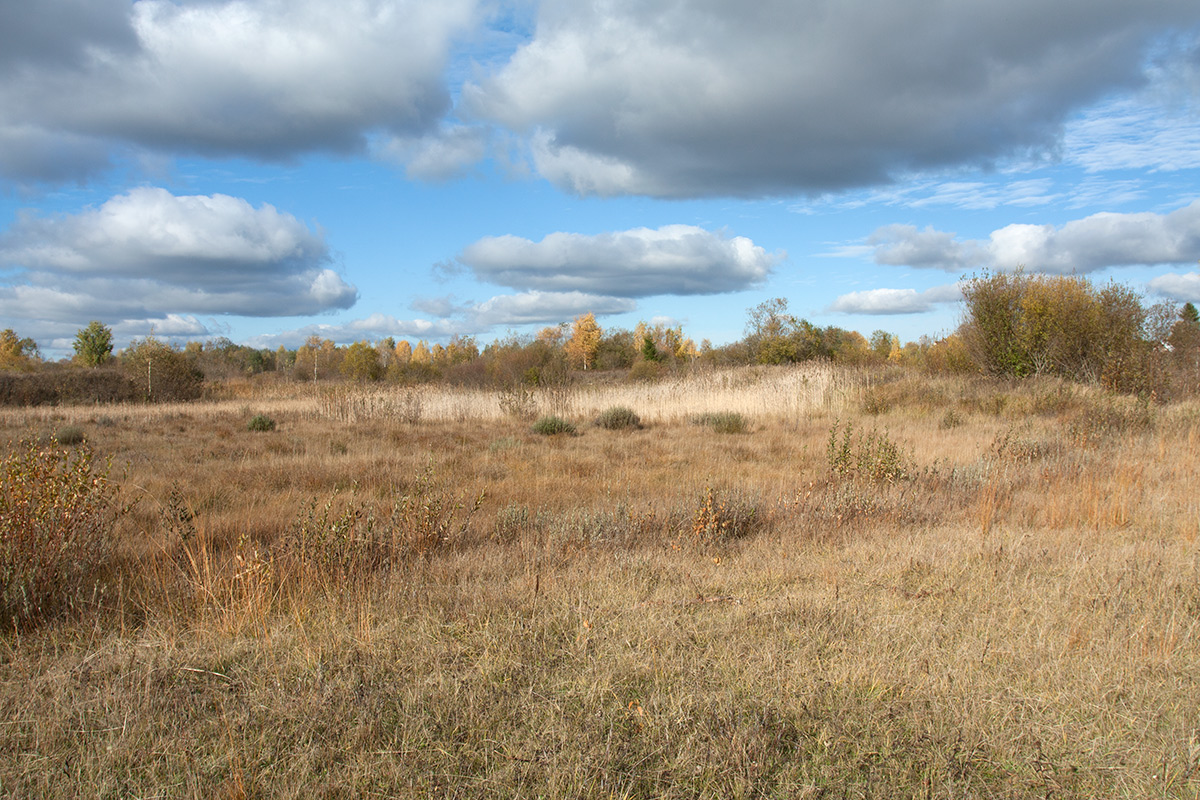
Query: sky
267	170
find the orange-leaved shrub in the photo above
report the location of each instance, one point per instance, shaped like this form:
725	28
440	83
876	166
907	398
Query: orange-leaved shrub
57	509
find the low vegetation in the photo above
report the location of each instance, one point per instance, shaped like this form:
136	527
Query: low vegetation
905	575
833	603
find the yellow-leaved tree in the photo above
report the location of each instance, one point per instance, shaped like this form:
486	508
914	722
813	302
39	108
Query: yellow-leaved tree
584	341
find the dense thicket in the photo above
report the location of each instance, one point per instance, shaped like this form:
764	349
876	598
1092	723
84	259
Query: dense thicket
1019	324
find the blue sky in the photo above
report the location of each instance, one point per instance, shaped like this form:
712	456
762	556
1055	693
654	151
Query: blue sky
264	170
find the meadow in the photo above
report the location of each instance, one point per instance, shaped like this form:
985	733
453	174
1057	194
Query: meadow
785	582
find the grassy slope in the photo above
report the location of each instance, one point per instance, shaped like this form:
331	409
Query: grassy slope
1017	617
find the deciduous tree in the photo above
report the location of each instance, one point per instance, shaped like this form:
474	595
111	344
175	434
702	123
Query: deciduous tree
584	342
93	344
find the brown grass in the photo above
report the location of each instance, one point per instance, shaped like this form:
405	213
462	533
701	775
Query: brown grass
664	612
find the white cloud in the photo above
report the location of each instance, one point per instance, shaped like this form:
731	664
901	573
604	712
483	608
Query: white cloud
1080	246
1183	288
544	307
149	253
673	259
703	98
896	301
907	246
260	78
446	153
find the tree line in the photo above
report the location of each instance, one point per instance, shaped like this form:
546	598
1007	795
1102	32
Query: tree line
1014	325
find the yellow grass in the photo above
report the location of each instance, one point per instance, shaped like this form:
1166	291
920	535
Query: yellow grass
665	612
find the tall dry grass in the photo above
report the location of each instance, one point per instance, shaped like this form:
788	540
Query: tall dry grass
663	612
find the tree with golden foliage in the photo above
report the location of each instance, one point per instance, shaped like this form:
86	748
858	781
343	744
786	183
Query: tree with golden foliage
15	352
584	342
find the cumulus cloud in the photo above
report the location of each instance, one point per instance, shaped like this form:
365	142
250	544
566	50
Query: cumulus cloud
148	253
1183	288
896	301
1080	246
673	259
705	98
260	78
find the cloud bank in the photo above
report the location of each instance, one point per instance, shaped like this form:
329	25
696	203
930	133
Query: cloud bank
704	98
267	79
1080	246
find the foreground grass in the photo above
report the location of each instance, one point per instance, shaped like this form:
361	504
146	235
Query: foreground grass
668	612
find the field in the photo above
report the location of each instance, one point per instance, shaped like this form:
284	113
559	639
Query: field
788	582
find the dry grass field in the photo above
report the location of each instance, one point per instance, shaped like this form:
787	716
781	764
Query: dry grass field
876	584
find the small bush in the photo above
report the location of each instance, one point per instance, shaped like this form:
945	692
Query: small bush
56	512
720	519
71	435
261	423
873	456
618	418
722	421
552	426
511	522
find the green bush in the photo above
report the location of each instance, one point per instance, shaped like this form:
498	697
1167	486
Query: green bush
1018	324
56	512
261	422
872	456
722	421
618	418
552	425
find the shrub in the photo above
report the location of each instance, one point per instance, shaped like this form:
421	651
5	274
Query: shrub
71	435
618	418
552	426
261	423
56	512
1019	324
873	456
722	421
720	519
